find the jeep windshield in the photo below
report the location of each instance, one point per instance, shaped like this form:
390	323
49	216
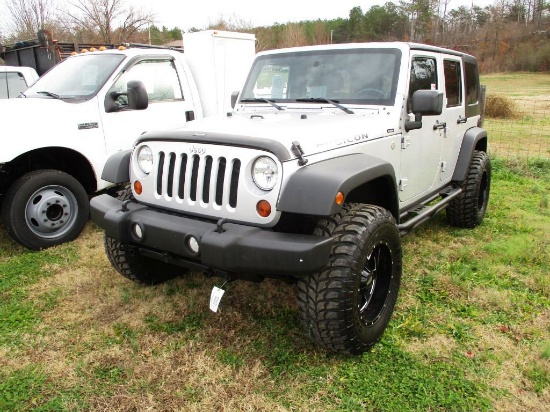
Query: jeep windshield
76	78
346	76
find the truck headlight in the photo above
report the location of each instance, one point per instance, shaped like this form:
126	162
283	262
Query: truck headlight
145	159
265	173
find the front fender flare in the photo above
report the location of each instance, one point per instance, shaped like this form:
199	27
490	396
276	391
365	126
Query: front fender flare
313	188
117	167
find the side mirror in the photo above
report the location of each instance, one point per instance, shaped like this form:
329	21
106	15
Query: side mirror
136	95
424	102
234	97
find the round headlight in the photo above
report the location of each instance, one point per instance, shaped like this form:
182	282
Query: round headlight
265	173
145	159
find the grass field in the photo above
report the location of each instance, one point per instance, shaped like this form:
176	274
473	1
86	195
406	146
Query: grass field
471	330
527	134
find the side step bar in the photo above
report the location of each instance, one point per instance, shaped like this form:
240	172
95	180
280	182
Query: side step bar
415	217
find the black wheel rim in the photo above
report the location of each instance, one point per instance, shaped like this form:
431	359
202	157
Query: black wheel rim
483	193
375	283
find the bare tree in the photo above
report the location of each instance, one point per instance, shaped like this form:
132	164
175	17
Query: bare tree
26	17
111	21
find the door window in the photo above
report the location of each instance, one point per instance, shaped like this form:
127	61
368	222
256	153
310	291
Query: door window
423	77
159	76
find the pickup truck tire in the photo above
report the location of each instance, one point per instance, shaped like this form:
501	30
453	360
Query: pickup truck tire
137	268
45	208
469	208
346	307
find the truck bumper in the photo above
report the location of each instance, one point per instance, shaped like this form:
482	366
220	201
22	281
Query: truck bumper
233	248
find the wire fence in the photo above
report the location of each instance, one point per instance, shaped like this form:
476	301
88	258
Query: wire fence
524	137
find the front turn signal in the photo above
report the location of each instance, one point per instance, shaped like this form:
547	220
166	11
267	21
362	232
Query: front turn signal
263	208
138	188
339	199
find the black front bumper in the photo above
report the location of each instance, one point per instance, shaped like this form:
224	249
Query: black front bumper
237	249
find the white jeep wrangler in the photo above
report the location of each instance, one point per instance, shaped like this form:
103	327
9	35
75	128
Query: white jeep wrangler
330	155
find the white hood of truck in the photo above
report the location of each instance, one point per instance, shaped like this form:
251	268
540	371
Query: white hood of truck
316	132
31	123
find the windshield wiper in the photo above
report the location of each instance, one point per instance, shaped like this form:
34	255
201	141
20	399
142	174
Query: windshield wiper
262	99
50	94
325	100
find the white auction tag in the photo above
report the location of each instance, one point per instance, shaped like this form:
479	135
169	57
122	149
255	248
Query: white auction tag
215	298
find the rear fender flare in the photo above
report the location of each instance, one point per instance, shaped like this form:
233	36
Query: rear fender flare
474	139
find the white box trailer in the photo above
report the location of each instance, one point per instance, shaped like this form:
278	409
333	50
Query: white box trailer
211	56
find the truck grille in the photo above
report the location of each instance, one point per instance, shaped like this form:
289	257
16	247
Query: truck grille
198	178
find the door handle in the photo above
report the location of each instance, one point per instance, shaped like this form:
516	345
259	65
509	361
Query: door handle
461	120
438	125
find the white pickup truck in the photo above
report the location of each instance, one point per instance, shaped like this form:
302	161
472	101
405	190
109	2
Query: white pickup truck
59	134
14	80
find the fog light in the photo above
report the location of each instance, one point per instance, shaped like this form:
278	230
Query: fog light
193	245
138	231
263	208
138	188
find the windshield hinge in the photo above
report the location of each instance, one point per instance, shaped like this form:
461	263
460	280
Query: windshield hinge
405	142
297	150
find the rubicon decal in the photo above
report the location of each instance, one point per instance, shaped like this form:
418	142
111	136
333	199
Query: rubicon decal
343	142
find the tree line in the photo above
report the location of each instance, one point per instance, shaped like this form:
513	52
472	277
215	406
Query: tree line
508	35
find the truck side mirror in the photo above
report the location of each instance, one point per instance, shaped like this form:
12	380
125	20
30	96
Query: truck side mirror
424	102
136	95
234	97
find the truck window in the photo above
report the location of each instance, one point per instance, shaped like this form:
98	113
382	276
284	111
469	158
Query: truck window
453	82
77	77
3	86
159	76
423	77
11	84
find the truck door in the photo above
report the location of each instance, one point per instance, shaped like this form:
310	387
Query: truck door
421	148
167	103
454	115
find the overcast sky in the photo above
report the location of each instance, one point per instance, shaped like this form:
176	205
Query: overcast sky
199	13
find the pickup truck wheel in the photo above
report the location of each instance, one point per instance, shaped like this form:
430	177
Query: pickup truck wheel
469	208
135	267
346	307
45	208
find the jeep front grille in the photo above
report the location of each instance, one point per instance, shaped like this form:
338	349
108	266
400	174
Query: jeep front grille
199	178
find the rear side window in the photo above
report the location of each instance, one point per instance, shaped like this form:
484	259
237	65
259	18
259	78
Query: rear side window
472	84
453	82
